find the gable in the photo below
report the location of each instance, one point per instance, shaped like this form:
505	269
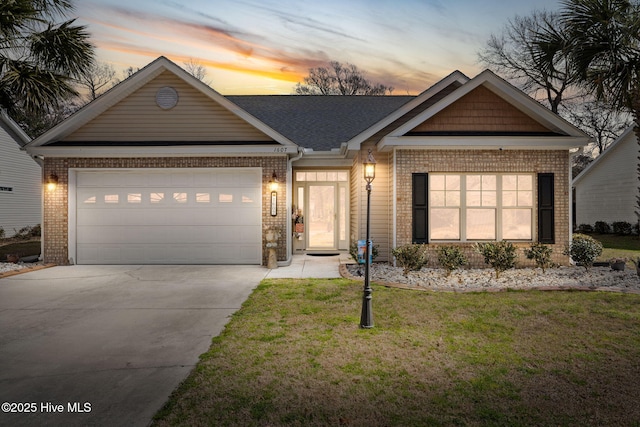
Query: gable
480	111
195	117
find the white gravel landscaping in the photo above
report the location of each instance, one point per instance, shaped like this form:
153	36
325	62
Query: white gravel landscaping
601	278
7	266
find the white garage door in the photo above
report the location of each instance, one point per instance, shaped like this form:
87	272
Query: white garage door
210	216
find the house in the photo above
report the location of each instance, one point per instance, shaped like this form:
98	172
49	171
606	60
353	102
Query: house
164	169
20	180
607	188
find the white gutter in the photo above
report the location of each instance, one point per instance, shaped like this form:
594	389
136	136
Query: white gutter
162	151
289	201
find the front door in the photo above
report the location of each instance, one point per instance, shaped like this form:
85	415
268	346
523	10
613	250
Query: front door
321	218
323	202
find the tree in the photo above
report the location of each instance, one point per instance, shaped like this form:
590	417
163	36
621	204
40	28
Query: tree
519	55
126	73
579	163
604	52
39	57
603	123
197	70
339	79
97	79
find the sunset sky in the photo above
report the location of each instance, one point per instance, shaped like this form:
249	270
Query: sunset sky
267	46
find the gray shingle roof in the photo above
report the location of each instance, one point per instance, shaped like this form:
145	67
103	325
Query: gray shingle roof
319	122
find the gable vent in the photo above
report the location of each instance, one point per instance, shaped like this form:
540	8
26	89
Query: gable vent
166	98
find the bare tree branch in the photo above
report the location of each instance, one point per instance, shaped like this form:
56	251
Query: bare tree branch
339	79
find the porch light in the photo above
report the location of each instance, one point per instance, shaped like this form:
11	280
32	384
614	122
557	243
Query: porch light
273	182
366	317
273	187
52	181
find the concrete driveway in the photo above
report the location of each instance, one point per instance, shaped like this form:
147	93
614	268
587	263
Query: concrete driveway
106	345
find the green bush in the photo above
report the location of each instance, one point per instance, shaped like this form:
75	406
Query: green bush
583	250
541	253
451	258
602	227
1	233
499	255
622	228
411	257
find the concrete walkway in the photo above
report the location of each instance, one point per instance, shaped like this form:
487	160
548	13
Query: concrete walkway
311	266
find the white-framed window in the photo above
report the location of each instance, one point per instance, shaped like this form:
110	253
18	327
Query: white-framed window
480	206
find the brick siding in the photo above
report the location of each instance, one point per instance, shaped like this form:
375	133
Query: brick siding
485	161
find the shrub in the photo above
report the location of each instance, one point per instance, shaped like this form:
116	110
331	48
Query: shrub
451	258
1	233
583	250
585	228
622	228
411	257
602	227
541	253
353	251
499	255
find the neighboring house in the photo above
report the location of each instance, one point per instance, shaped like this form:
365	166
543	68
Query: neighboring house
606	190
20	180
164	169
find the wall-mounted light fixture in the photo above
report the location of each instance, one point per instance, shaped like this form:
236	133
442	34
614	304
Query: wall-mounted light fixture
273	187
52	181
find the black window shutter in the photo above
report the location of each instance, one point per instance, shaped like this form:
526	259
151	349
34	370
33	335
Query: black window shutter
419	205
546	232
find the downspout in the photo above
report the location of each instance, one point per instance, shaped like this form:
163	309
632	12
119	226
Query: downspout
40	160
571	156
394	191
289	201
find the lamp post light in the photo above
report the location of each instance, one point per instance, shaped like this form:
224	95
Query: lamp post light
366	317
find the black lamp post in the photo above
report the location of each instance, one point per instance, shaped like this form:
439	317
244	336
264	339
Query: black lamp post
366	318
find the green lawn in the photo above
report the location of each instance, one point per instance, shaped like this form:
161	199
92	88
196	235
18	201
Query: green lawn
618	247
294	355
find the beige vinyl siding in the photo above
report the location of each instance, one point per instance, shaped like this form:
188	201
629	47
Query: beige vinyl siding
20	207
481	111
380	203
355	200
196	117
607	192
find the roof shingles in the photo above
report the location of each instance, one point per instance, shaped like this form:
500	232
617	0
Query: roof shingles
321	123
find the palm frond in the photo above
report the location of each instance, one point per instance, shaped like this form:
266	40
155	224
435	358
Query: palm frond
34	89
63	48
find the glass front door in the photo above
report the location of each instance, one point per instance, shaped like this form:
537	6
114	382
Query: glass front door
321	204
321	216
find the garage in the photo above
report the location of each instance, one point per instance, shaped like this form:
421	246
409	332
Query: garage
168	216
